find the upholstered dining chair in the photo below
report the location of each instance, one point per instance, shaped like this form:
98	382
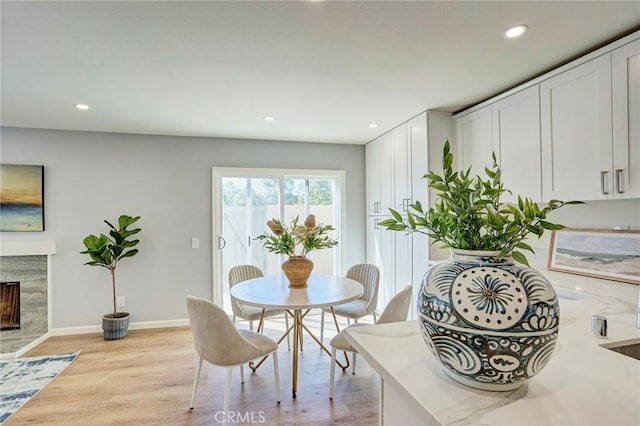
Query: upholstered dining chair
241	273
368	275
396	310
219	342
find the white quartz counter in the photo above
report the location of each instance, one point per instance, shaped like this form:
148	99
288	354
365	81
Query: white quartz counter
583	383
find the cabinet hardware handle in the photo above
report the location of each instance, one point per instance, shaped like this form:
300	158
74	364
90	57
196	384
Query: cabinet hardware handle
603	178
619	181
376	207
221	243
376	223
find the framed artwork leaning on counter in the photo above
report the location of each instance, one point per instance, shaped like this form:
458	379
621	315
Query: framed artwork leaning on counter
608	254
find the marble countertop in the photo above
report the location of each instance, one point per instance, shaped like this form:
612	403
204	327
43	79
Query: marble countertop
583	383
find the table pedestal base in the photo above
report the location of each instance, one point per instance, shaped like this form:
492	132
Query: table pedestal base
297	327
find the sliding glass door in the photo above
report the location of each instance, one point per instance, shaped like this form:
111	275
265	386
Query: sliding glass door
246	202
244	199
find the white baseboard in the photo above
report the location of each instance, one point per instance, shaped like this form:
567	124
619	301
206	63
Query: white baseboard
19	352
67	331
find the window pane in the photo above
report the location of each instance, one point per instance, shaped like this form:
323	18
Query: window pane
265	200
313	196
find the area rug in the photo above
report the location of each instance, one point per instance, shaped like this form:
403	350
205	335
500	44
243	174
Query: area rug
22	378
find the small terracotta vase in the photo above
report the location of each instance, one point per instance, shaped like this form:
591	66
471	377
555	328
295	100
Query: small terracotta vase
297	270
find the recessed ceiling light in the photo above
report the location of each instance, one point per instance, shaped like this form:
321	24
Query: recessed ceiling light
516	31
81	106
373	125
268	118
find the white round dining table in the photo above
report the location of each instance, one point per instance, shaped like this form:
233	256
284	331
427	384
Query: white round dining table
273	292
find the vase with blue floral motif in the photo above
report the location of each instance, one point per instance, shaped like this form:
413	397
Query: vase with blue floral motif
491	322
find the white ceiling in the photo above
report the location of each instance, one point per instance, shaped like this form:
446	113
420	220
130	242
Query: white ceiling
324	69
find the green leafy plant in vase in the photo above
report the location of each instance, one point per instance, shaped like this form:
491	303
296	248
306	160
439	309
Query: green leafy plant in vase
107	251
490	319
296	241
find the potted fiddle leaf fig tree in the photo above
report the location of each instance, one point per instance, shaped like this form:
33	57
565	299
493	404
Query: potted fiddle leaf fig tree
106	251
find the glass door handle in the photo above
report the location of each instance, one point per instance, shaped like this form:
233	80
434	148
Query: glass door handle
221	243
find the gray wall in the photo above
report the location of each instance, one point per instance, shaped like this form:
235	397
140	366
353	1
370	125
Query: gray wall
167	180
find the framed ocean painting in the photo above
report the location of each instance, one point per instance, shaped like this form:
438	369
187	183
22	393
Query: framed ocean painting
21	197
612	255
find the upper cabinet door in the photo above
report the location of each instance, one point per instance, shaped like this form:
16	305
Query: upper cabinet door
516	141
474	137
379	176
386	174
626	120
576	133
401	169
419	161
372	171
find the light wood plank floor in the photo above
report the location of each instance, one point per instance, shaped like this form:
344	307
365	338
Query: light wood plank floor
146	379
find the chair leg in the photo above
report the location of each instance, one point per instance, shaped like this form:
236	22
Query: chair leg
276	373
353	361
251	325
348	322
242	373
234	318
375	320
286	324
196	379
321	325
227	395
333	372
355	321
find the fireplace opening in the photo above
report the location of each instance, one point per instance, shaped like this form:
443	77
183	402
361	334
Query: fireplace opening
10	305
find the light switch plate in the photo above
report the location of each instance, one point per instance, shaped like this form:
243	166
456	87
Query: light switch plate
195	242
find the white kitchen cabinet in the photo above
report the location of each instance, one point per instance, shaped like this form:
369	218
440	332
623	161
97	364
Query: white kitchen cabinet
474	136
625	85
401	171
510	128
410	162
379	184
402	259
516	142
571	134
418	163
381	252
576	133
372	172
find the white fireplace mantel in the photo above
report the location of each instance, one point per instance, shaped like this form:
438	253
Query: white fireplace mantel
31	248
27	248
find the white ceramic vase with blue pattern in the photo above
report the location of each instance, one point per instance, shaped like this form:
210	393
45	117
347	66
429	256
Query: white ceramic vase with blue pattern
492	323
